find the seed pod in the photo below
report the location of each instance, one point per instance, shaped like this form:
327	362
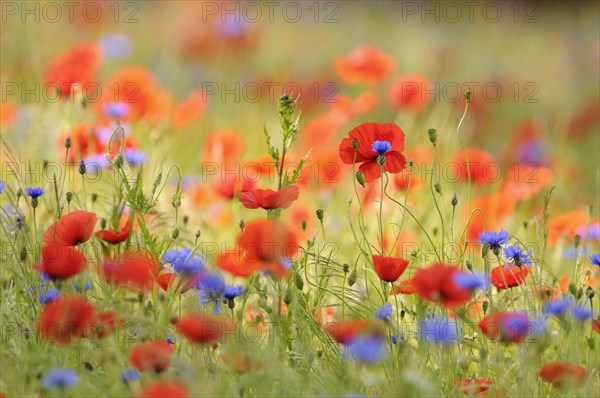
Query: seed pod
432	133
320	214
360	177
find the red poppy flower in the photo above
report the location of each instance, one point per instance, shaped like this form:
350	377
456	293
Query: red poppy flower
365	64
103	324
185	283
135	86
596	325
507	276
151	355
263	245
565	225
223	147
375	140
409	92
65	319
78	65
436	284
133	269
242	363
189	110
61	262
269	199
389	269
506	327
404	287
344	331
162	389
473	386
71	229
115	237
482	166
561	374
202	329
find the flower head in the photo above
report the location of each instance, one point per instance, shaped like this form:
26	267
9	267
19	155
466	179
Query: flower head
129	375
471	281
367	348
381	147
212	288
384	312
87	285
389	269
595	259
233	291
60	378
494	239
51	295
557	307
582	313
34	192
516	255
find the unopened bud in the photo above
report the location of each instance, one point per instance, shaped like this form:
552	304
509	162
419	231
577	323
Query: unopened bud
82	168
454	200
590	293
197	234
346	268
175	233
486	305
68	143
355	143
94	197
468	96
186	218
432	133
69	196
360	177
576	241
102	223
119	161
242	224
438	188
469	265
353	277
287	297
303	225
320	213
298	281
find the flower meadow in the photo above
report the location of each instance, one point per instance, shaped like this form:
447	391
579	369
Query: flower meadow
349	199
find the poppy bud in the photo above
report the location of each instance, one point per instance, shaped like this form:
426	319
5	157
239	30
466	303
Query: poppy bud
175	233
590	293
438	188
469	265
576	241
68	143
242	224
197	234
432	133
44	164
411	163
298	281
176	203
94	197
486	305
88	366
186	218
19	193
102	223
320	214
468	96
346	268
69	196
82	168
360	177
352	278
591	342
402	314
355	144
287	297
579	293
454	200
572	289
119	161
303	225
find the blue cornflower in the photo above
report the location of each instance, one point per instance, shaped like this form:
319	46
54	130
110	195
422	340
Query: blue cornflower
50	295
367	348
86	286
233	291
182	262
381	147
169	338
537	326
117	110
595	259
2	186
398	338
212	288
129	375
134	157
470	281
60	378
34	192
116	45
516	255
439	330
582	314
494	239
384	312
557	307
